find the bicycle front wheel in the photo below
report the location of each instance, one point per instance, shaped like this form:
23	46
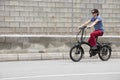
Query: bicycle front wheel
76	53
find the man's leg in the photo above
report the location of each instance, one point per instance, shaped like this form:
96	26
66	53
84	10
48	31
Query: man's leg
93	35
92	40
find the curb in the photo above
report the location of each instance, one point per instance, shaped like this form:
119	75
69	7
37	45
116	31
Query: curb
45	56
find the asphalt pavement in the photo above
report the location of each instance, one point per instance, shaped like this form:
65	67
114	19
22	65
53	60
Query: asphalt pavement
86	69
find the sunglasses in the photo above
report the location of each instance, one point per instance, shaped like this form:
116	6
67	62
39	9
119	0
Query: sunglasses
93	12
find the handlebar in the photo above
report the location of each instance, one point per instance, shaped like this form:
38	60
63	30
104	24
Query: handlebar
80	28
83	27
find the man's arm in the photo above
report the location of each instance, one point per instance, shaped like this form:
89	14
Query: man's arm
86	23
95	22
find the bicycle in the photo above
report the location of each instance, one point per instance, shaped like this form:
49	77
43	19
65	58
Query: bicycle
76	52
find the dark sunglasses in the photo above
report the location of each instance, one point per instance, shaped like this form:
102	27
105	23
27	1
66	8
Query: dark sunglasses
93	12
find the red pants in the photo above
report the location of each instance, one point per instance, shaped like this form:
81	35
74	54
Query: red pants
93	36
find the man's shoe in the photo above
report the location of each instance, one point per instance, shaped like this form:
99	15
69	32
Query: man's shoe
92	53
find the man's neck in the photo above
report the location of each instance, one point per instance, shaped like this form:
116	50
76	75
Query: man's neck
95	16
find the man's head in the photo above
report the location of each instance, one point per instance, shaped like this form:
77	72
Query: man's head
95	12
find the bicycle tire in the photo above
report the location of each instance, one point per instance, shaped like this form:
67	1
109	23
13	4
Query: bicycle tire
105	51
78	53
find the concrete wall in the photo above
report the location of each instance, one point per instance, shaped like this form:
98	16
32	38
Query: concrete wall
47	47
55	16
43	44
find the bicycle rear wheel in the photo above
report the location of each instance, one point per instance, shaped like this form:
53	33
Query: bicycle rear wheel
76	53
105	53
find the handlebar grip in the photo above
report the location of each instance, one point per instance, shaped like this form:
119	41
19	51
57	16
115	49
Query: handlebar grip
83	27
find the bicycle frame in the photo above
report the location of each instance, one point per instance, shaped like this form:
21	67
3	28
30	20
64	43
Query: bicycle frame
81	41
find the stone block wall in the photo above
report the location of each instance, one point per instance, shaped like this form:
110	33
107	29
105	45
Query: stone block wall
51	17
48	26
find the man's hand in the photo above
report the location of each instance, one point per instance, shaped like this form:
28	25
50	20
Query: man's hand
79	27
89	27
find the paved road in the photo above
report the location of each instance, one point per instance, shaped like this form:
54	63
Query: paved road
87	69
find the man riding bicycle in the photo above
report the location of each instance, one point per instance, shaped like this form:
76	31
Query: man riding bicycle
98	26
